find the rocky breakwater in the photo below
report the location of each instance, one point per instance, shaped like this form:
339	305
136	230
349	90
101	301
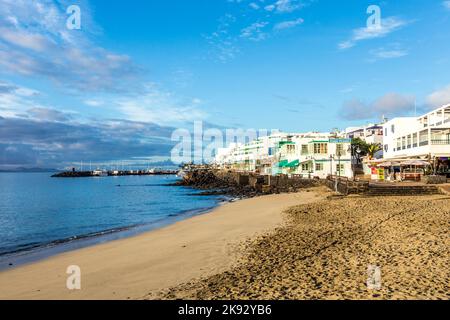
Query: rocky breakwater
240	184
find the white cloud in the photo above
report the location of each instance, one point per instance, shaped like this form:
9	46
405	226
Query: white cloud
439	97
34	41
15	100
255	31
46	114
25	39
223	45
388	53
288	24
260	22
446	4
93	103
388	25
284	6
347	90
254	5
162	107
391	104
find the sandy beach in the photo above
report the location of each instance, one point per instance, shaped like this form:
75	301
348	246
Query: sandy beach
142	266
325	251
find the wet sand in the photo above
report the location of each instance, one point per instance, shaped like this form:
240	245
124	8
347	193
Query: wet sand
141	266
326	249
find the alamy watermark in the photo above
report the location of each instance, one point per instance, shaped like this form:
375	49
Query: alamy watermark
73	281
374	20
202	144
373	277
73	22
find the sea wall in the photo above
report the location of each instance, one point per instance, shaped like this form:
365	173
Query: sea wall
242	183
346	187
435	179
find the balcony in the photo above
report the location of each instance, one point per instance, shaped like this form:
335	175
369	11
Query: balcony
440	142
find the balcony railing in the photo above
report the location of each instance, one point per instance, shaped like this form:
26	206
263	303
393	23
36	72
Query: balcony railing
440	141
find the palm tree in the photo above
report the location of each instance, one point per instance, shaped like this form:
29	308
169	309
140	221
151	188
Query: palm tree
372	149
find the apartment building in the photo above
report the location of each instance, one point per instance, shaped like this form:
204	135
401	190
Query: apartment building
257	155
372	133
426	137
308	154
314	155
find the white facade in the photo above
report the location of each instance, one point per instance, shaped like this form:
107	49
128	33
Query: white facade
372	134
309	154
425	137
259	153
315	155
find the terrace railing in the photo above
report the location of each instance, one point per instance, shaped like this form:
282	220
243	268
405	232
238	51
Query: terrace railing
440	142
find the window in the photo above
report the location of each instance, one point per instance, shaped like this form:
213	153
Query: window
305	149
409	142
423	138
386	148
393	129
340	168
319	166
385	132
290	148
305	167
340	150
320	148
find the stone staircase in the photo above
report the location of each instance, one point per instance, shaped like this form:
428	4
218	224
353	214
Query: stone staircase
375	190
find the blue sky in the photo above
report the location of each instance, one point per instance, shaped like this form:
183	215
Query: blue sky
138	69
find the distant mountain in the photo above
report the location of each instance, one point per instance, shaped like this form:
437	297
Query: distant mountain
21	169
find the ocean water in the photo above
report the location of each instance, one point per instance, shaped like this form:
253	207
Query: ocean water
41	216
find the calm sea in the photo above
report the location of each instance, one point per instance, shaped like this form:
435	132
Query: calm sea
42	216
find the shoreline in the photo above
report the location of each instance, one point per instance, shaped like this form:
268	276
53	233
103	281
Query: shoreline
35	252
13	260
133	267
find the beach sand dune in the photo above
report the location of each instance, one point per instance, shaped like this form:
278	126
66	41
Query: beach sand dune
326	250
133	268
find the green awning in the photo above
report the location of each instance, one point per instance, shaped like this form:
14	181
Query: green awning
283	143
287	164
283	163
293	164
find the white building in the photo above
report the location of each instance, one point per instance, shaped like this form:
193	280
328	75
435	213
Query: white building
372	133
314	155
255	155
307	154
426	137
